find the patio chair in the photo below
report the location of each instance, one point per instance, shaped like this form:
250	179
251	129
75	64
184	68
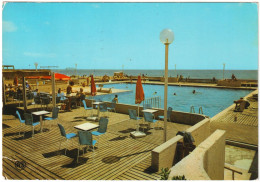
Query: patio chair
101	129
82	97
29	121
55	112
113	106
86	108
20	119
66	136
46	101
133	116
149	118
85	138
37	100
73	102
103	108
169	111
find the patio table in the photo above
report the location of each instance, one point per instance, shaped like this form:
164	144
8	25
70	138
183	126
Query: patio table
86	126
40	113
95	118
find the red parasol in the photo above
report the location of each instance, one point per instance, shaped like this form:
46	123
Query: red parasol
93	86
139	92
58	76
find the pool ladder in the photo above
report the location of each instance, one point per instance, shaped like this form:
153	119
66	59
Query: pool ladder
200	110
192	110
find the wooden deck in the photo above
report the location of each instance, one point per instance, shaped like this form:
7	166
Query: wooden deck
240	126
118	156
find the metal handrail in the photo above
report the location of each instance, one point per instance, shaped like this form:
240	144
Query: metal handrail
155	102
192	110
200	110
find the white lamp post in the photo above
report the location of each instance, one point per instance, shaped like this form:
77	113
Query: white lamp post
166	37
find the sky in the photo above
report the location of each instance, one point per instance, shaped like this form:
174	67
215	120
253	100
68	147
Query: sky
126	35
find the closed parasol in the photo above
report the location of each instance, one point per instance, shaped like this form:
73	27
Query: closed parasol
93	86
139	97
139	92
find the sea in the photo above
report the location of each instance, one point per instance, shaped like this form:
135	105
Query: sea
192	74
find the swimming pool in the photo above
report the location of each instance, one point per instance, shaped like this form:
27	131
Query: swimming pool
212	100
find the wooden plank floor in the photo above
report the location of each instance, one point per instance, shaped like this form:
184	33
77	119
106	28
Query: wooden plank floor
248	117
117	155
239	126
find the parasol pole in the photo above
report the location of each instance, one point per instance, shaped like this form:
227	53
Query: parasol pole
138	117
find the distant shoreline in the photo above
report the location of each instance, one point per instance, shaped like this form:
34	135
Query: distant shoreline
194	74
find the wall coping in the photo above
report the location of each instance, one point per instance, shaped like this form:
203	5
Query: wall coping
193	166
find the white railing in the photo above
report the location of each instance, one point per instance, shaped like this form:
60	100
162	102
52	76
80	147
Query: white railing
154	102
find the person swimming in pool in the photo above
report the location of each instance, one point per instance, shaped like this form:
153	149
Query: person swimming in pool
193	91
154	93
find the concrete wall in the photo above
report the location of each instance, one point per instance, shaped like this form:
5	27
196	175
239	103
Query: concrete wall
177	117
163	155
229	83
206	162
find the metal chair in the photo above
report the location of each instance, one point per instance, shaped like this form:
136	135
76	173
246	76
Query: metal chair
29	121
113	106
133	116
85	138
102	128
85	107
55	112
149	118
46	101
103	108
37	100
66	136
169	112
20	119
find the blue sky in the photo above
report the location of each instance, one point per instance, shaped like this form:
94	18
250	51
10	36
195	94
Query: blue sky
109	35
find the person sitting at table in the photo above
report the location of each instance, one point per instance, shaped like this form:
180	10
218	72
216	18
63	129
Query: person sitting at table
19	91
69	90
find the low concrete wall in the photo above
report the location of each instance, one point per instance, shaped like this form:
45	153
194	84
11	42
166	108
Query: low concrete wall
176	116
163	155
206	162
230	83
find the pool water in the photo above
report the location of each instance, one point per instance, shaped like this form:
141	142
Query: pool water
212	100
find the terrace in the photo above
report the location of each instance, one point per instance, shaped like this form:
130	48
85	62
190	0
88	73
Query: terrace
118	156
121	157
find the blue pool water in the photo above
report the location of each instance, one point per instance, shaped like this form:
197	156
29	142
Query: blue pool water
212	100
